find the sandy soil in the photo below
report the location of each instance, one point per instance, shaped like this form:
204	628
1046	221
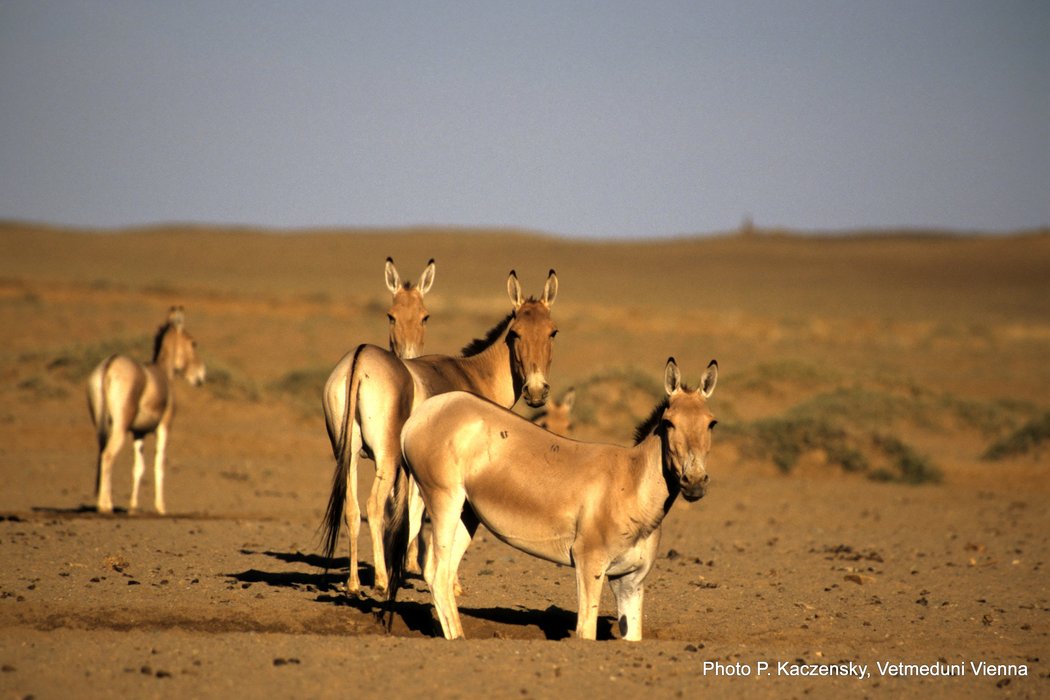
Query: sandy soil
815	568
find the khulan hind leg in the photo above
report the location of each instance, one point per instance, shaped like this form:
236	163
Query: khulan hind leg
137	471
449	536
387	464
352	511
415	526
106	458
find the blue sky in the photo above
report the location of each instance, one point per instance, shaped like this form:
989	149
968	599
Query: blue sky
595	119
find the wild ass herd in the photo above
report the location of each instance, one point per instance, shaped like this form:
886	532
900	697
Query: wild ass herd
445	443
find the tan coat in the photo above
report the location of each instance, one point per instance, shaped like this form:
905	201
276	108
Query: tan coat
593	506
128	396
371	393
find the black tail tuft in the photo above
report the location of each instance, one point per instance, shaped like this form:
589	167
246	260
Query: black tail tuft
333	516
334	513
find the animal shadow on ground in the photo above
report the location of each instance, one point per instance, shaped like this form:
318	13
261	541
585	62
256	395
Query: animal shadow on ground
82	510
91	511
329	583
328	580
555	623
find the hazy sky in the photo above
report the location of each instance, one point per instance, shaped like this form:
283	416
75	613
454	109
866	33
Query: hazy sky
592	119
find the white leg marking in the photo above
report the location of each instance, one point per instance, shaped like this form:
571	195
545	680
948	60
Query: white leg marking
386	470
137	471
158	470
446	524
106	459
352	508
415	525
589	580
630	594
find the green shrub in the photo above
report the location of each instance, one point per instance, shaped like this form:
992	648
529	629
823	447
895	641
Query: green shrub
765	377
1028	438
906	465
75	362
784	440
846	426
303	386
224	383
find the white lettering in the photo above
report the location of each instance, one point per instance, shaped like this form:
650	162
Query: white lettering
983	668
920	670
851	669
727	669
847	670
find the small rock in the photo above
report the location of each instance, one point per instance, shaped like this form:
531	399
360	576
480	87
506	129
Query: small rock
115	562
859	579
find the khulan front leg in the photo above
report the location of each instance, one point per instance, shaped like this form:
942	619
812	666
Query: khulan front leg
589	582
158	469
137	471
629	591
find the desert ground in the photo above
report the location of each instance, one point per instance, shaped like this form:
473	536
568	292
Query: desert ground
879	473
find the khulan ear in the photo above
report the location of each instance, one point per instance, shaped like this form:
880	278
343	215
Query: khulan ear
707	383
672	377
427	278
550	290
569	399
514	290
393	280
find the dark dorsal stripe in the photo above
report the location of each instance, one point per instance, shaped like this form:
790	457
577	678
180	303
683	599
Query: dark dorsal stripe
646	427
158	340
480	345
